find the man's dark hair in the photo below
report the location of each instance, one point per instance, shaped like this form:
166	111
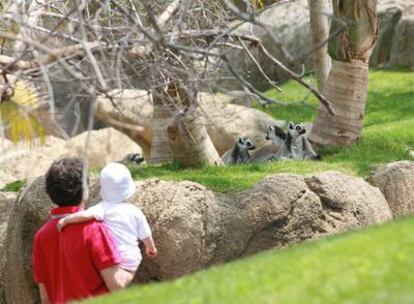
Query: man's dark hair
64	182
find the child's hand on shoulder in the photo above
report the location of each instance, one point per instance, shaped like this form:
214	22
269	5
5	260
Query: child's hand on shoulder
151	252
61	224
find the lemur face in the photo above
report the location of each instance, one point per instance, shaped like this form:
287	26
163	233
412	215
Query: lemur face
274	133
296	130
245	144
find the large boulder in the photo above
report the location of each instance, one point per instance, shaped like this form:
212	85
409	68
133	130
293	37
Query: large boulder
6	205
105	145
402	50
395	46
5	179
288	23
194	227
396	181
130	111
24	161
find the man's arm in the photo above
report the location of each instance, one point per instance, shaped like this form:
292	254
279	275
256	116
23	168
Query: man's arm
44	298
116	278
78	217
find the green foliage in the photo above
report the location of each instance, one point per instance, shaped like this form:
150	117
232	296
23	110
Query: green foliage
18	114
387	137
373	265
15	186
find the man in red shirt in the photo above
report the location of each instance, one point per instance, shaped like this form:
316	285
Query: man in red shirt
81	261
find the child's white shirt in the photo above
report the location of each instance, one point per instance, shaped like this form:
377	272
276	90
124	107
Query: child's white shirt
127	224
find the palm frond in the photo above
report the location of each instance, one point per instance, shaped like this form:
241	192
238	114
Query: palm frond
18	114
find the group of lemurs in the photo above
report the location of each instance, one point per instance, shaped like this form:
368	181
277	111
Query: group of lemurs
290	144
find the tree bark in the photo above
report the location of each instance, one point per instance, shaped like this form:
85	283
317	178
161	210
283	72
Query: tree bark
190	143
161	119
319	25
346	86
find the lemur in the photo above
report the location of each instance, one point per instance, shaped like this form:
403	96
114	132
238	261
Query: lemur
134	158
276	150
297	145
239	153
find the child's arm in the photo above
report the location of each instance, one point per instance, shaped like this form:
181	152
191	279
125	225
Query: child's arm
150	249
78	217
44	298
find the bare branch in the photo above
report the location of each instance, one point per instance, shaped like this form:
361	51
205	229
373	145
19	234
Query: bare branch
298	79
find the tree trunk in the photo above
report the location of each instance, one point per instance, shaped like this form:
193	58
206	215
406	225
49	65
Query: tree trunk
190	143
346	86
318	10
161	119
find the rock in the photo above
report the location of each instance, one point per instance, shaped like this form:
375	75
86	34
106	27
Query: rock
194	227
225	122
359	203
105	145
6	203
289	23
23	161
5	179
396	181
402	50
27	160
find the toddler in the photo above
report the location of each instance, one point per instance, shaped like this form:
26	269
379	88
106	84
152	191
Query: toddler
126	222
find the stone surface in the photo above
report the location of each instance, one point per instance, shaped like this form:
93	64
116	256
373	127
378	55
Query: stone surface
5	179
105	145
289	24
224	122
194	227
396	181
23	161
6	204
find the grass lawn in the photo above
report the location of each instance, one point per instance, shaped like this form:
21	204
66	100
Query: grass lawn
373	265
388	136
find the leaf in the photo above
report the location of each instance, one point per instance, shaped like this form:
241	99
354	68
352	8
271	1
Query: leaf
18	114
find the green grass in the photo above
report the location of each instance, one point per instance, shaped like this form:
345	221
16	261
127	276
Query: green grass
388	136
15	186
373	265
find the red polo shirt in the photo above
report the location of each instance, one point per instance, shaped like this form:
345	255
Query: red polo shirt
68	262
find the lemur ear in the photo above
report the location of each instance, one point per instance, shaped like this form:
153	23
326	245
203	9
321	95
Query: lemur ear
241	140
290	125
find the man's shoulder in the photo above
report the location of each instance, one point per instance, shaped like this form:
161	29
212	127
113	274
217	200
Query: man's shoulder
44	230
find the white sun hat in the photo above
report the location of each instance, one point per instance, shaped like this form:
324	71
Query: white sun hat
116	183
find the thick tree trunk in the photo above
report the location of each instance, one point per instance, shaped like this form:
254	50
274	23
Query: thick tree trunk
190	143
318	10
346	86
161	119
